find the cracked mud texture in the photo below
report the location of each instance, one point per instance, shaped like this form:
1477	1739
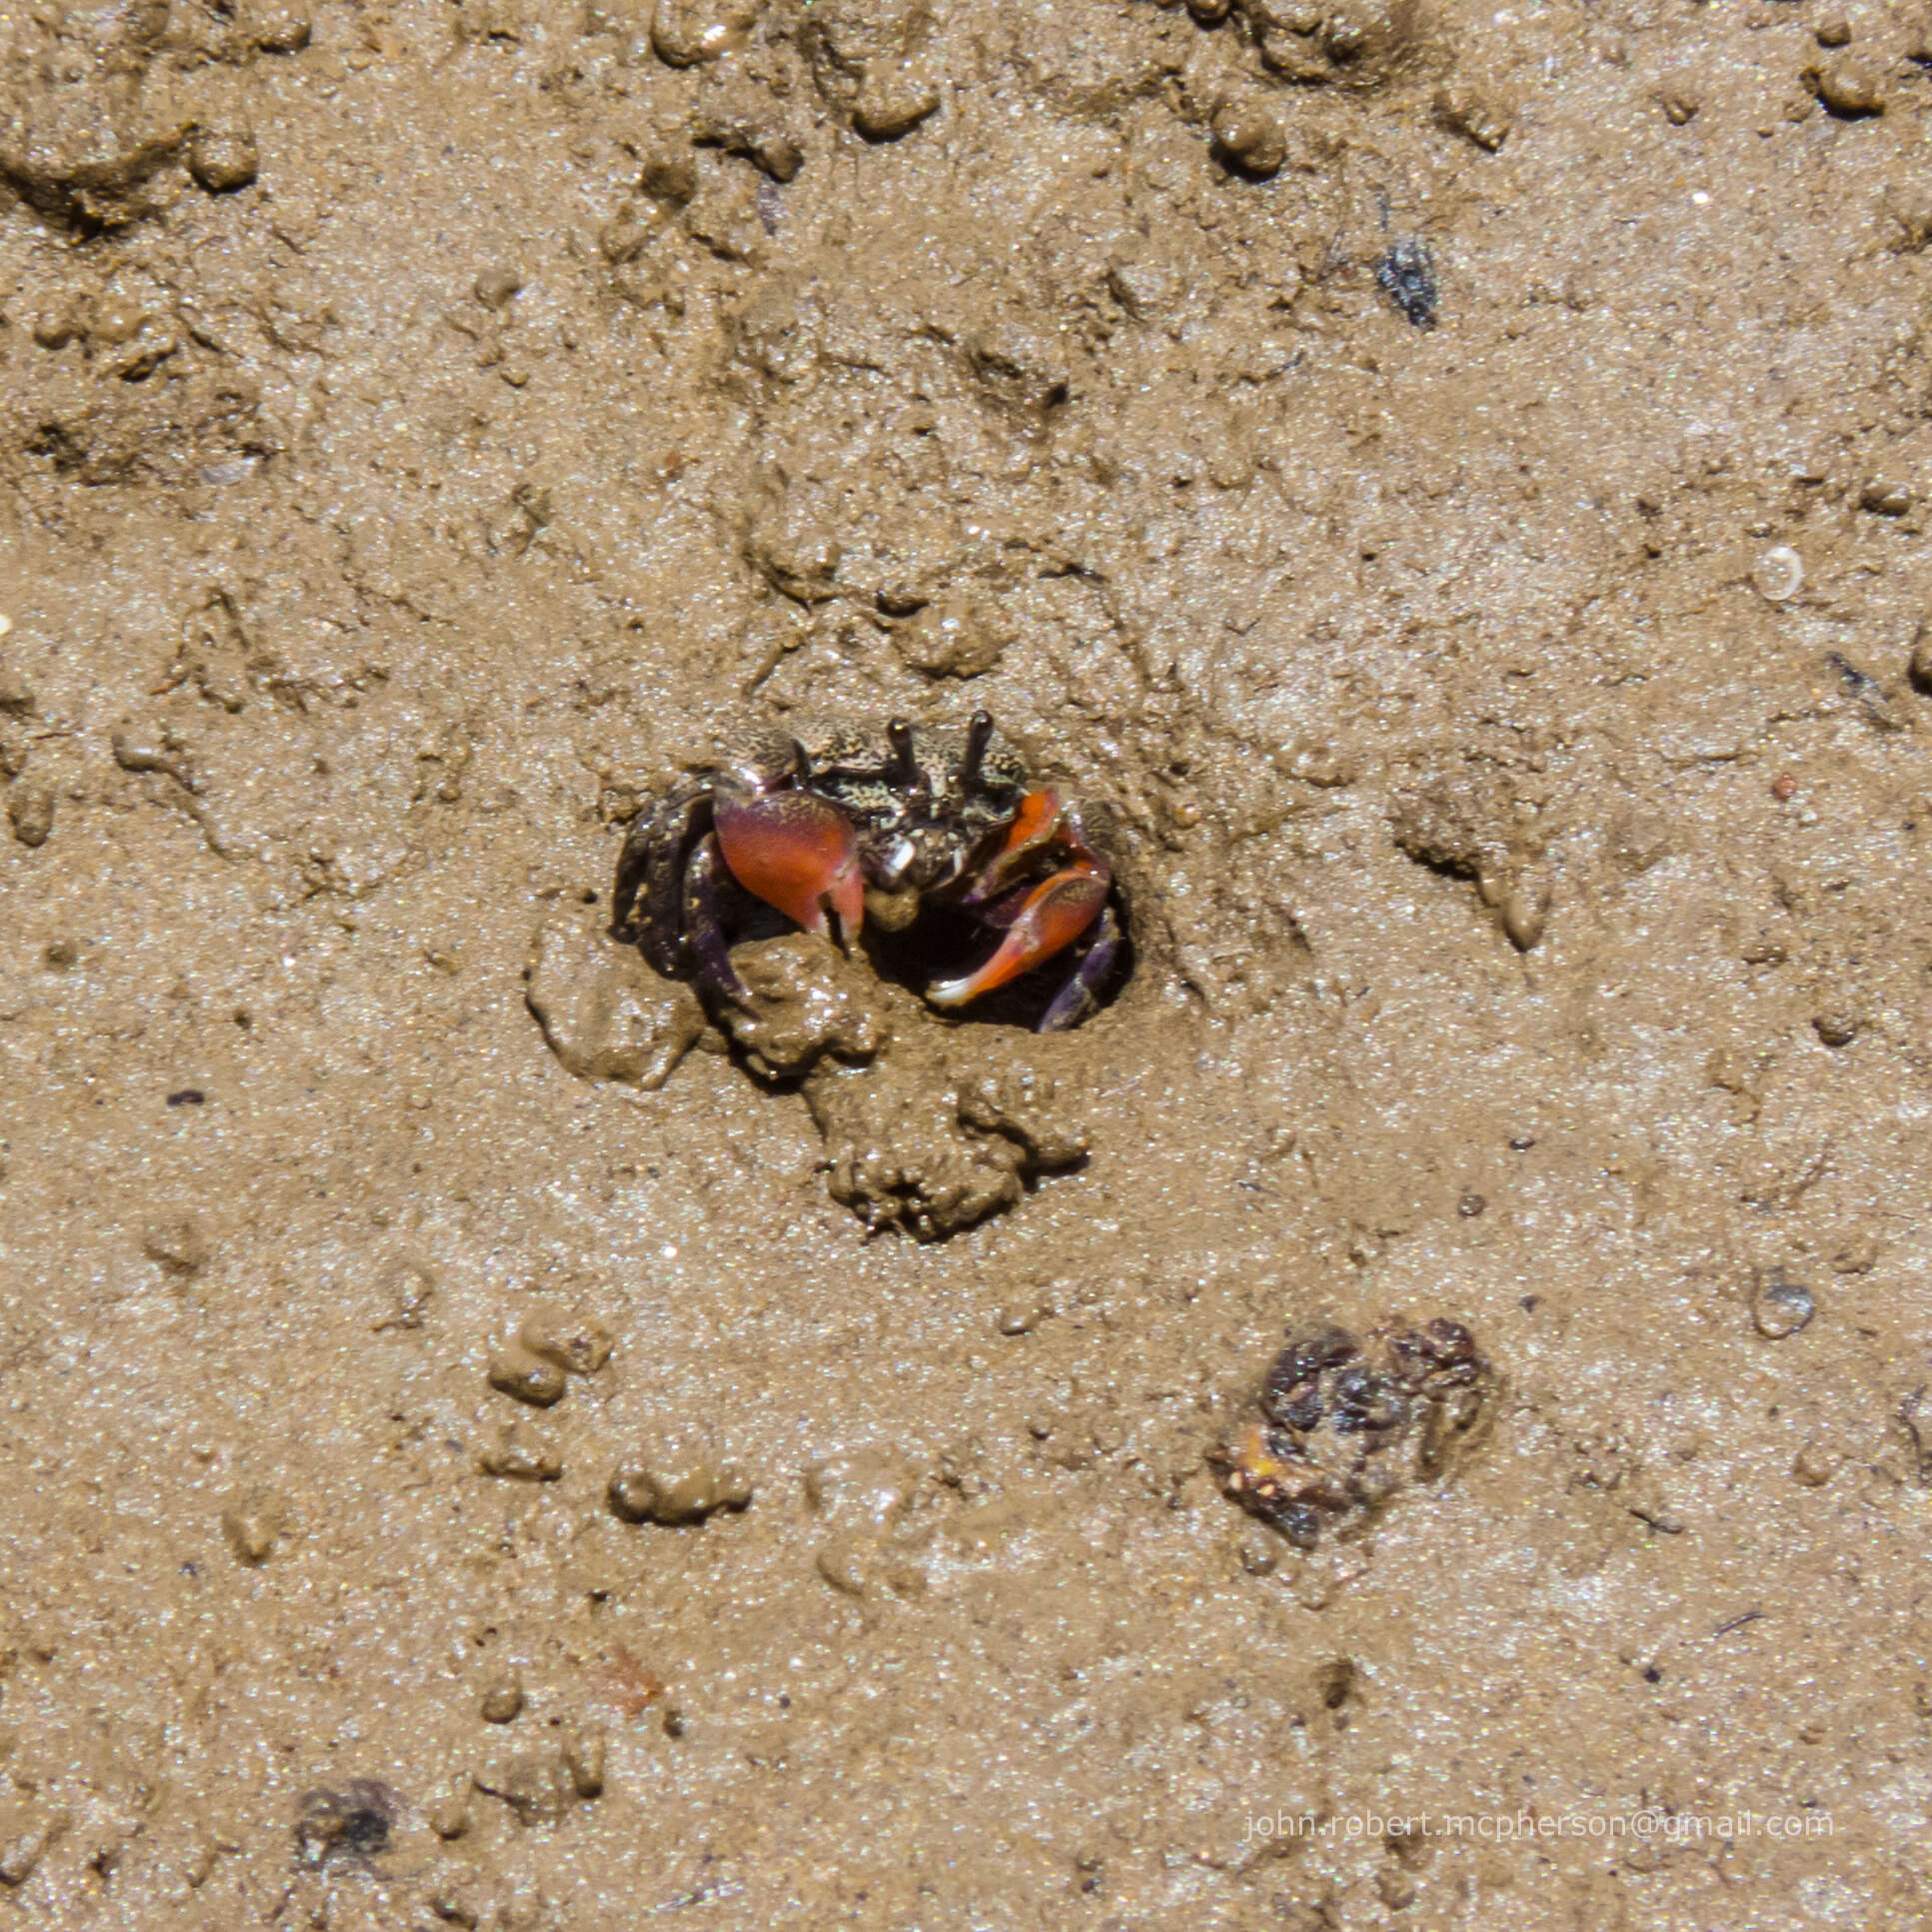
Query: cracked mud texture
427	429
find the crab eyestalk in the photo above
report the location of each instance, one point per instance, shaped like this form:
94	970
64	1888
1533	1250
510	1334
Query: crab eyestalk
799	854
1054	915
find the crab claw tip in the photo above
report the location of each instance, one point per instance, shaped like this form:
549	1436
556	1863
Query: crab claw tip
1055	914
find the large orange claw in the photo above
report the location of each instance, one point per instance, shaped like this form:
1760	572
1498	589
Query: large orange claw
795	852
1055	915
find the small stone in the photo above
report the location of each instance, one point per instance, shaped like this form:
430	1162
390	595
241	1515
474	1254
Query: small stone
1779	575
1680	99
16	694
517	1458
950	638
574	1344
1920	668
677	1488
585	1755
254	1522
1462	109
528	1379
1780	1308
178	1244
1021	1317
1249	141
29	808
502	1699
1849	86
1835	1026
1816	1463
496	288
1834	30
223	160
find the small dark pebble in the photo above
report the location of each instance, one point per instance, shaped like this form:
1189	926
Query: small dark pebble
355	1820
188	1096
1407	276
1470	1205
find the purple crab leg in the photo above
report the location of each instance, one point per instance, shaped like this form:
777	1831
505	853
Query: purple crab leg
703	932
1077	997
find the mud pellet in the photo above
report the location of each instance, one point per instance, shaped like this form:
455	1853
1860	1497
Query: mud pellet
585	1752
1462	109
223	160
279	26
502	1701
1680	97
178	1243
1780	1308
1849	86
450	1815
517	1458
30	810
24	1848
254	1523
577	1345
677	1492
16	694
1834	30
515	1372
494	288
1524	912
1885	497
1249	141
1920	668
1835	1026
1816	1463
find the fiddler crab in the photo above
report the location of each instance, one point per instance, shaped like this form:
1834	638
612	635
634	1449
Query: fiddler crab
849	839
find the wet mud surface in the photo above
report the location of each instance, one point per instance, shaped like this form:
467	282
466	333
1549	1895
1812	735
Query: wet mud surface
488	1443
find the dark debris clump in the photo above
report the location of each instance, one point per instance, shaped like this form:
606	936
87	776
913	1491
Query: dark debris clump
1345	1421
354	1822
1408	276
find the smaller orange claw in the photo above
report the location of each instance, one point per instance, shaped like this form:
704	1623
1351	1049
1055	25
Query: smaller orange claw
795	852
1034	822
1055	914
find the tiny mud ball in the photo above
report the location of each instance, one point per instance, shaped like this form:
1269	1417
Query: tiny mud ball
952	862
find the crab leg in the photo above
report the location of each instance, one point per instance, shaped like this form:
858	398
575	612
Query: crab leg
650	877
1075	999
703	932
796	851
1055	915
